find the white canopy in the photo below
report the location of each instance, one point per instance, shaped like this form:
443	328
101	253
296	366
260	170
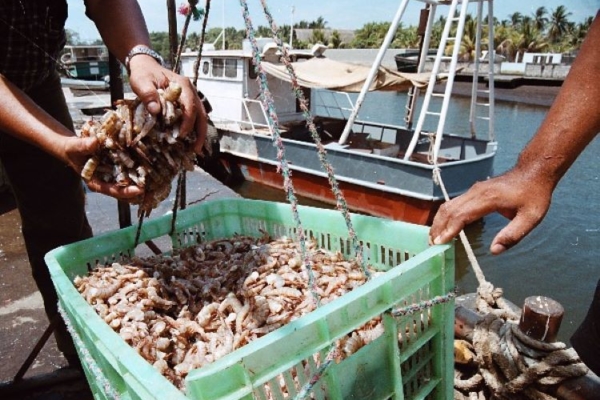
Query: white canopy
324	73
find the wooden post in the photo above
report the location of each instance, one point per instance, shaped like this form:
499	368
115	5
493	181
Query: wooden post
541	318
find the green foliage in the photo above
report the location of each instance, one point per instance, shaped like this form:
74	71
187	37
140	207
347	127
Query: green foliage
336	40
543	30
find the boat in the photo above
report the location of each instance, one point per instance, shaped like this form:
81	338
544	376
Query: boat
85	67
407	60
382	170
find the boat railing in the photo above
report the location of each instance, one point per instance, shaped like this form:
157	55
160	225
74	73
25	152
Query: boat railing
250	114
253	115
328	103
386	133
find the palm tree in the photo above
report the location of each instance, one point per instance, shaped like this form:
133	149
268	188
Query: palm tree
336	40
515	19
318	36
539	19
559	20
514	43
438	28
320	23
371	35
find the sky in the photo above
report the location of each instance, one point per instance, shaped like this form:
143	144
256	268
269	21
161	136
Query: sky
338	14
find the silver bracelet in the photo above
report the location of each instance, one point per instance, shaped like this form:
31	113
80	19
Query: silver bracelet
141	49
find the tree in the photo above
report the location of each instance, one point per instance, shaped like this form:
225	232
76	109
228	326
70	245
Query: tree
539	19
559	19
72	37
371	35
320	23
318	36
515	19
336	40
467	45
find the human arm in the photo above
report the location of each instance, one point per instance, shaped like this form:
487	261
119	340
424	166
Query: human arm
22	118
122	27
523	194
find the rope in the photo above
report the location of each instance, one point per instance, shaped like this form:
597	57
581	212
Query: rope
202	39
509	362
341	204
340	201
486	289
283	167
190	11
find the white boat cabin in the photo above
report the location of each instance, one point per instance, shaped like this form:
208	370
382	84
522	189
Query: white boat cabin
228	79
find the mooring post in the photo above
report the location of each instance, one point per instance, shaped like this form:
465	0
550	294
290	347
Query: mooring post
541	318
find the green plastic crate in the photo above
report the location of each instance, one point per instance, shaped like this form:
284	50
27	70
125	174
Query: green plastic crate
420	366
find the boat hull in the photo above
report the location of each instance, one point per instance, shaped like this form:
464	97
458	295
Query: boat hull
376	185
359	198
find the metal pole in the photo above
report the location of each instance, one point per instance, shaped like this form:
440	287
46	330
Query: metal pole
432	80
373	72
424	31
492	54
475	83
117	93
292	28
459	34
172	21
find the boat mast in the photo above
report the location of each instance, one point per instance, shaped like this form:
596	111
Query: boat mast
424	31
292	28
426	109
373	72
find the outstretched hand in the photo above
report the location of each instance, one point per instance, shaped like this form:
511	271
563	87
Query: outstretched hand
147	76
523	201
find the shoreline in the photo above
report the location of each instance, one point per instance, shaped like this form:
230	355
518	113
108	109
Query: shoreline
533	95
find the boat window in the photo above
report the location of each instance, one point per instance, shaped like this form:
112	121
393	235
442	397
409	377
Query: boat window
231	68
205	66
217	67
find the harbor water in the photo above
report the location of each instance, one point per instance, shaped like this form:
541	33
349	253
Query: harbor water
560	258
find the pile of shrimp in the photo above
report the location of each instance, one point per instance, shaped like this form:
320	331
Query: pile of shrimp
139	148
187	309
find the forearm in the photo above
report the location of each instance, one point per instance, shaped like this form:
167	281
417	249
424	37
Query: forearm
22	118
120	23
573	120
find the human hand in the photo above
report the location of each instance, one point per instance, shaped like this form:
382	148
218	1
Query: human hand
147	76
515	195
76	153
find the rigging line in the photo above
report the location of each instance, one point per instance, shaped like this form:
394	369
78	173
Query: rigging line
437	176
201	46
268	103
186	24
180	190
322	153
32	42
